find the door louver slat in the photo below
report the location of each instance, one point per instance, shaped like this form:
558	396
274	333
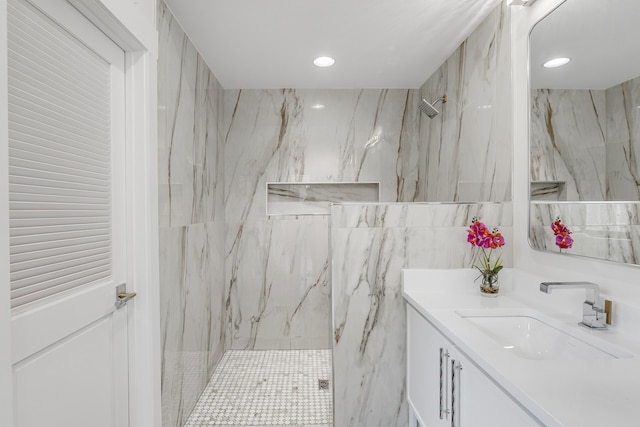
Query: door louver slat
60	206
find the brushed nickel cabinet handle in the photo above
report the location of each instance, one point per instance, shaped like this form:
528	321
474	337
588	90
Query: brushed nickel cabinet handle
444	374
456	369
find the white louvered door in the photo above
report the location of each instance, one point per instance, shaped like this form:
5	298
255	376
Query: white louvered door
67	216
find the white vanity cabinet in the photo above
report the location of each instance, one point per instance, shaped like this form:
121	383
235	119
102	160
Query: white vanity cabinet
444	388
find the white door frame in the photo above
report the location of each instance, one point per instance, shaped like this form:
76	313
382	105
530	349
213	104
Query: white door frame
123	23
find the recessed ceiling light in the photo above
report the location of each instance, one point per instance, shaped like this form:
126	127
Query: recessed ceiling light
318	106
556	62
324	61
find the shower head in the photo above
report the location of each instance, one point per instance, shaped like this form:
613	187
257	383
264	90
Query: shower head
429	109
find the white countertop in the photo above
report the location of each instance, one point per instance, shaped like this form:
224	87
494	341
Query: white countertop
595	392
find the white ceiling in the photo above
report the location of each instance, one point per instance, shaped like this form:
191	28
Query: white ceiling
600	36
266	44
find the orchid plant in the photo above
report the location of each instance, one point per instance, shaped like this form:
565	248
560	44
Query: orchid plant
479	236
562	233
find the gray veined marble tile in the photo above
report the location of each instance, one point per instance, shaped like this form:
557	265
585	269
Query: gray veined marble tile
278	290
465	152
277	270
191	313
191	233
467	143
405	215
368	309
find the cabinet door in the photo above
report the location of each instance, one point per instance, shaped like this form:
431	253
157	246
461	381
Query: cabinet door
450	390
426	385
478	402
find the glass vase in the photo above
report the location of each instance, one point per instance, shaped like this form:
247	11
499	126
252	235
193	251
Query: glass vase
490	286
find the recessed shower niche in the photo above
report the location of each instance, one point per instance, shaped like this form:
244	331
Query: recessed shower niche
315	198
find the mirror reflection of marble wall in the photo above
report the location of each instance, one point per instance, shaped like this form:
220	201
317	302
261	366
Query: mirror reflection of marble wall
585	129
608	231
587	139
623	141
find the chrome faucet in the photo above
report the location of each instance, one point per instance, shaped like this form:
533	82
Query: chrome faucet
594	314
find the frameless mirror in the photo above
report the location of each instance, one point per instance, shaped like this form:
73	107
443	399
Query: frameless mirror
584	135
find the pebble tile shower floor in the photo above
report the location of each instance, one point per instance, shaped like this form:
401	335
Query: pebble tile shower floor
267	388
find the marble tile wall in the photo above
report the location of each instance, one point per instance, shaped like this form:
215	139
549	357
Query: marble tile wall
370	245
191	215
277	294
464	153
277	282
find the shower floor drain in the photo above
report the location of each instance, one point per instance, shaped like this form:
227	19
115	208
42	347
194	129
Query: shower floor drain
323	384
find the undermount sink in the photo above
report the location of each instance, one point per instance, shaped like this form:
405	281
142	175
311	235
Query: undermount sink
532	335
